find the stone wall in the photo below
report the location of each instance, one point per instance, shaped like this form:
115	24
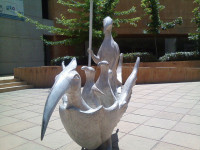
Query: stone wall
44	77
20	43
173	9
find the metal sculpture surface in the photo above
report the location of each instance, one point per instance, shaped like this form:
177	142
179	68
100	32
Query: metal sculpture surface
109	51
90	116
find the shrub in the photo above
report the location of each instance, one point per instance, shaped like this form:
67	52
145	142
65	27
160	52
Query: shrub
131	58
180	56
144	57
81	60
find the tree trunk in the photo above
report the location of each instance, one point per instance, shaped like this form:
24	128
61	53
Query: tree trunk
198	46
155	40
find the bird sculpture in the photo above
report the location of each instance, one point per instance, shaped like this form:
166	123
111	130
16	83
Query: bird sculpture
90	116
109	51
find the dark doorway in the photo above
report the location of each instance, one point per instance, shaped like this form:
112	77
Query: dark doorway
47	51
45	10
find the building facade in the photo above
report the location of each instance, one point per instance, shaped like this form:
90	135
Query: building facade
132	39
20	43
21	46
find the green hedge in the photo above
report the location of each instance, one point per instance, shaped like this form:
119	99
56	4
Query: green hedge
180	56
128	58
144	57
131	58
81	60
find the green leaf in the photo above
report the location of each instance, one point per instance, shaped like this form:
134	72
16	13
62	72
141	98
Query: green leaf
77	29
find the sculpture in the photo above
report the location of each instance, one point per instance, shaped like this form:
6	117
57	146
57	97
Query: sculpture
90	117
109	51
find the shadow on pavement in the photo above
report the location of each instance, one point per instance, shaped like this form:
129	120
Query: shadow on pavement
115	141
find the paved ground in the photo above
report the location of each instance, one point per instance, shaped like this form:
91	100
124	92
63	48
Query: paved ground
8	77
159	117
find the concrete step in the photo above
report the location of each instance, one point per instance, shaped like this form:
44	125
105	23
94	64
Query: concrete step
10	84
9	80
15	88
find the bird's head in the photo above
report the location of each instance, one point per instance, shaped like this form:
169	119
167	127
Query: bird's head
104	65
107	24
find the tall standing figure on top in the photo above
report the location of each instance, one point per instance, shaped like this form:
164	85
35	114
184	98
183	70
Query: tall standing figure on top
109	51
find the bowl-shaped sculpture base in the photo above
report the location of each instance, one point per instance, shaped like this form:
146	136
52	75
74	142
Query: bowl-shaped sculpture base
91	128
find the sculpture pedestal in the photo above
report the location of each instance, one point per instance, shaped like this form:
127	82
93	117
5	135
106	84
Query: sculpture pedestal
110	144
105	146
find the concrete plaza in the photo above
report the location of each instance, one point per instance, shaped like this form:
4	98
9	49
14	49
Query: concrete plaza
159	117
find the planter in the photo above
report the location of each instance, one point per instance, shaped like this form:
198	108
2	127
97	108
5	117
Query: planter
190	64
43	77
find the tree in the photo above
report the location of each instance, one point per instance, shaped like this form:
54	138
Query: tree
77	29
196	20
152	9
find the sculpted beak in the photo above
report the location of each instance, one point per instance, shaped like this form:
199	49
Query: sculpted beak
58	90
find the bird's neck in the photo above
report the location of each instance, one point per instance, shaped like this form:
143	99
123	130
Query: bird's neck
103	78
75	100
90	77
108	35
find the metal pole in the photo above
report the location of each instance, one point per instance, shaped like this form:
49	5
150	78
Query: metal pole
90	32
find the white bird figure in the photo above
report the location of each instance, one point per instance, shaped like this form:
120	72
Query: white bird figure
103	84
89	127
88	92
109	51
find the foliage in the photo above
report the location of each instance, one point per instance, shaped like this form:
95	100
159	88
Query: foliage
196	20
81	60
77	29
131	58
144	57
180	56
152	9
128	58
